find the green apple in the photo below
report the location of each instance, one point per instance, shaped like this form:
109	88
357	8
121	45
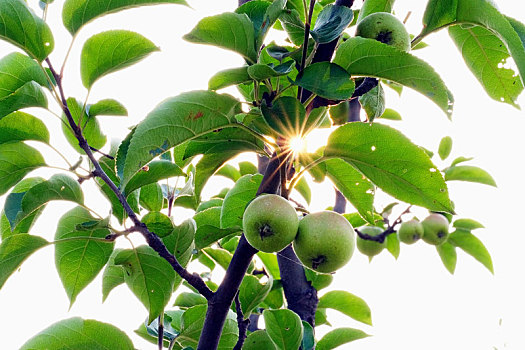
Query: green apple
410	231
325	241
368	247
435	227
386	28
270	223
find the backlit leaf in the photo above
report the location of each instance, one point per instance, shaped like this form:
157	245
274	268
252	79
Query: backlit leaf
348	304
16	160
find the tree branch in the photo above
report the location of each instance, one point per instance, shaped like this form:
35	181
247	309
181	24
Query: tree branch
151	238
219	304
389	230
242	323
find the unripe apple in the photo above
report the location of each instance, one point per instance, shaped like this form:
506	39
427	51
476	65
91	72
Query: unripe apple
368	247
270	223
410	231
386	28
325	241
435	227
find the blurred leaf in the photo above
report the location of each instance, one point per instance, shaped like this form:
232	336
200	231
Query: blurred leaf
372	6
304	189
467	224
392	245
445	147
390	114
258	340
338	337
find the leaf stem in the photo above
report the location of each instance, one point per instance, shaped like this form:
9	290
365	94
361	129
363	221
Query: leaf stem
298	176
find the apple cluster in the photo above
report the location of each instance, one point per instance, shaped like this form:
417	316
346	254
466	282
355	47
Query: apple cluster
323	241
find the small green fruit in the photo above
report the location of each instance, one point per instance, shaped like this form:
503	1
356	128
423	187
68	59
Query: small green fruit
435	227
367	247
386	28
270	223
410	231
325	241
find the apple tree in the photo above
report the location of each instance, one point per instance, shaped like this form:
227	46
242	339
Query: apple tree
326	74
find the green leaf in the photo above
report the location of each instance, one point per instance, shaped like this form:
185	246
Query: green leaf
287	117
90	127
228	77
237	199
156	170
79	261
174	121
348	304
107	107
447	253
113	275
258	340
252	293
338	337
26	224
445	147
29	95
356	189
20	126
231	31
392	162
270	263
14	250
76	333
518	27
304	189
187	300
390	114
193	321
263	15
284	328
373	103
247	168
20	26
467	224
220	256
327	80
469	173
180	241
111	51
485	55
392	245
149	277
331	22
294	26
229	172
368	57
151	197
308	342
76	13
17	160
158	223
262	72
318	280
471	245
209	227
442	13
372	6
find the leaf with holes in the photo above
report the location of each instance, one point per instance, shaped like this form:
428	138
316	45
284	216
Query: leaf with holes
14	250
20	26
79	261
111	51
76	13
368	57
76	333
485	55
149	277
392	162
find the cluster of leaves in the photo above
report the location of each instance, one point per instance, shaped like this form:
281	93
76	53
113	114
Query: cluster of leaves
289	92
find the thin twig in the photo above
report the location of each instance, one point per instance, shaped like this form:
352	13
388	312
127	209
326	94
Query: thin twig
388	231
242	323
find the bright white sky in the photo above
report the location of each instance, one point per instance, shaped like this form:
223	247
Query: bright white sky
416	304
